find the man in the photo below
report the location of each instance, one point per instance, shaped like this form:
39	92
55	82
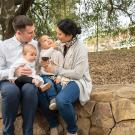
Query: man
12	96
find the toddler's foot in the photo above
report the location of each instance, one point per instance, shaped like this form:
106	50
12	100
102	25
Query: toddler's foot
45	87
53	105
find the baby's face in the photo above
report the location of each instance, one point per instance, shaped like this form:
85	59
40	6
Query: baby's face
45	42
31	55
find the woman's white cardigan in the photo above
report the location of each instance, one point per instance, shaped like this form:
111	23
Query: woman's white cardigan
76	67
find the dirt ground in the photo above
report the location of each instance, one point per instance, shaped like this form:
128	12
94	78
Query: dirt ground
113	67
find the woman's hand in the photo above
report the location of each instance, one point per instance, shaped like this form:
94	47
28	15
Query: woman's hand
57	80
23	70
45	63
50	68
52	44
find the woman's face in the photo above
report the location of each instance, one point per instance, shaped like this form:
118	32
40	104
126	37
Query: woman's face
62	36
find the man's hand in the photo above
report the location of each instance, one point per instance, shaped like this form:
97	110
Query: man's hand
23	70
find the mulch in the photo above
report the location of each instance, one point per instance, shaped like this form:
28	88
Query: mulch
112	67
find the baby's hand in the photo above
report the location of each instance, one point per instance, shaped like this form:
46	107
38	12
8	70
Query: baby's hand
12	80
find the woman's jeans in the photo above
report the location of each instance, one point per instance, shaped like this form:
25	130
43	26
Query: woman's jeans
64	100
12	96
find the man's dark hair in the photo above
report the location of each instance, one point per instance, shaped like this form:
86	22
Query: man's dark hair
21	21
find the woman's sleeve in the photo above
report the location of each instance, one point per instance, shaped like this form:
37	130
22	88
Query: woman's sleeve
81	64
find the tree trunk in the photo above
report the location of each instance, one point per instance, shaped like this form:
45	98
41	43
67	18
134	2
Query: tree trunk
8	13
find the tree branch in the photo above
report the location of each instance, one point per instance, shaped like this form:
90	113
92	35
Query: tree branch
22	10
18	2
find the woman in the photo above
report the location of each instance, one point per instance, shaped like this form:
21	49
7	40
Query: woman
76	70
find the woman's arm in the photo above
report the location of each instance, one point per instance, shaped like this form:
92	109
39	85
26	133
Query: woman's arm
80	66
77	72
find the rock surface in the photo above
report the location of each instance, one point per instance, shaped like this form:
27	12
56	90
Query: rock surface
111	111
114	110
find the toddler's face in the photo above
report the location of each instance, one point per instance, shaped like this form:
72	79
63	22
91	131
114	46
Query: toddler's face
45	42
31	55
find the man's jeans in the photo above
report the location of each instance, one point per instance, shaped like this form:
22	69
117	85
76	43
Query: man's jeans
64	100
11	98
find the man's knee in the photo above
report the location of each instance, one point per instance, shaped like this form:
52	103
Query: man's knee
29	89
9	91
29	95
9	88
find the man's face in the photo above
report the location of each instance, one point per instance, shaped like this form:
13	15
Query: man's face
27	34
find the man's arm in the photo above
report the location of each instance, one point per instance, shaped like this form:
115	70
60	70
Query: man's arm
4	71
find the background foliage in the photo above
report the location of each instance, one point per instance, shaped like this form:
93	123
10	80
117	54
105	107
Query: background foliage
100	17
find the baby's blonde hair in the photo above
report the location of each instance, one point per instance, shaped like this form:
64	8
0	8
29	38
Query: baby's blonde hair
27	48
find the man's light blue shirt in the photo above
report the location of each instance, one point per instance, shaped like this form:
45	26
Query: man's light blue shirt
0	42
10	51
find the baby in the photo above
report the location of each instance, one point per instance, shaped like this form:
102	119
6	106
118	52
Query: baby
28	60
49	55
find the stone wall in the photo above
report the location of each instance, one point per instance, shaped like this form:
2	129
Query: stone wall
111	111
114	110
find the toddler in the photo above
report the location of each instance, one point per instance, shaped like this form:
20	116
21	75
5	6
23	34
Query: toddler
49	55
